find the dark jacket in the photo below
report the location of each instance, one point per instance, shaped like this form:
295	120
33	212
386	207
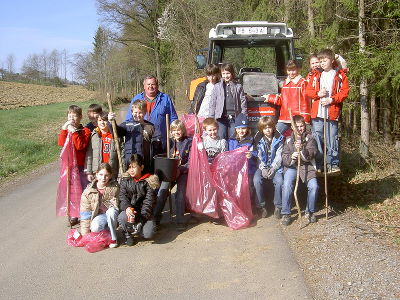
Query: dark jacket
198	97
307	155
134	142
183	146
140	195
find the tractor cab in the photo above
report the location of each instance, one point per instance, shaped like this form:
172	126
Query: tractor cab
259	51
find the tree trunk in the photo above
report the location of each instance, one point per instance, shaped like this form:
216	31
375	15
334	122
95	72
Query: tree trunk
310	19
387	134
287	11
364	135
374	117
355	120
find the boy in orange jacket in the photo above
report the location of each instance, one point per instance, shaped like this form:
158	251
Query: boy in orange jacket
328	94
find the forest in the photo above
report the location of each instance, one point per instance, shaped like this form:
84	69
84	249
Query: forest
163	37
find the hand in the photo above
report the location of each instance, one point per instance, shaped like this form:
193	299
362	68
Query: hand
111	116
271	173
323	93
113	202
129	212
71	128
248	154
66	124
266	97
295	155
326	101
90	177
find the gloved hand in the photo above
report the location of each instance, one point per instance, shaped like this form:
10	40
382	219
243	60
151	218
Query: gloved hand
111	116
66	124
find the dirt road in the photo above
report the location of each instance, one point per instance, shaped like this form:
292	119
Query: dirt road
206	261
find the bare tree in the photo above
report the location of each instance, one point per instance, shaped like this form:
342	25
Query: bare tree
10	61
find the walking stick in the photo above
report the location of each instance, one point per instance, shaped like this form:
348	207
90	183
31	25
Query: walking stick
325	167
115	136
169	184
296	134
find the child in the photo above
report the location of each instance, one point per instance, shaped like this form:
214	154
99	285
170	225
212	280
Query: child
94	110
101	148
99	204
227	101
180	147
269	149
315	70
141	136
80	139
137	198
212	143
305	146
331	89
293	96
202	95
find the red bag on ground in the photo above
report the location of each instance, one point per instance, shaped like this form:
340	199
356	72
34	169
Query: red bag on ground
93	241
201	194
69	184
190	123
230	174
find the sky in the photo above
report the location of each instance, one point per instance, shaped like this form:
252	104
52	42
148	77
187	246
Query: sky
30	26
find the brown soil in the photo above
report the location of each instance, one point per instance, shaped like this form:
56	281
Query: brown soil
14	95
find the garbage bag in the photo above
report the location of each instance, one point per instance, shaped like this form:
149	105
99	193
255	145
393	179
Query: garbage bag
190	123
230	175
69	185
201	193
93	241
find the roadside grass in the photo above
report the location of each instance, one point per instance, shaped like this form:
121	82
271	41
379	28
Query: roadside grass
370	188
28	136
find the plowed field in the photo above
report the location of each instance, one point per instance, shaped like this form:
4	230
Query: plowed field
14	95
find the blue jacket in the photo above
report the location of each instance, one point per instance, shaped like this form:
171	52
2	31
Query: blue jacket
248	141
183	147
275	159
133	133
162	107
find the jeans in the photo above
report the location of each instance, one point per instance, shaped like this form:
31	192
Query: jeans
147	229
260	184
289	178
282	127
226	127
179	199
104	221
332	142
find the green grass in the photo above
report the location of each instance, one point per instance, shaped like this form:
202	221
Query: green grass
28	136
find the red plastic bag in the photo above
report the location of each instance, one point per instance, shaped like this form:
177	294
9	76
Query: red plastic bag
201	194
190	123
230	174
69	184
93	241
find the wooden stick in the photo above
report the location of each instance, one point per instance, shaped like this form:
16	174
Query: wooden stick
296	134
115	136
167	128
325	167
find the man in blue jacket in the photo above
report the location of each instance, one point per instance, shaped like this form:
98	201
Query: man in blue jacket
158	106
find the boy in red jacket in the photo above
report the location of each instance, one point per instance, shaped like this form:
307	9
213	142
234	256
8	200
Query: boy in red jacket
293	96
80	139
328	94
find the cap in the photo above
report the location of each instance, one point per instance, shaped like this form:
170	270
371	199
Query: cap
241	121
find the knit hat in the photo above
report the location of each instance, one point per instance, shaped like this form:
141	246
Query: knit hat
241	121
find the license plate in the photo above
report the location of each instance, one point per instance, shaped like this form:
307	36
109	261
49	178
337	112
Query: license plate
251	30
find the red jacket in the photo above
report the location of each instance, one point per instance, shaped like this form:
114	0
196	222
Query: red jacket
293	95
340	91
80	138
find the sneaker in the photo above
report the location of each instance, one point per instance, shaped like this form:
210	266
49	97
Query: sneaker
180	227
285	220
137	228
73	221
307	215
129	240
113	244
219	221
264	212
335	169
312	218
277	212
